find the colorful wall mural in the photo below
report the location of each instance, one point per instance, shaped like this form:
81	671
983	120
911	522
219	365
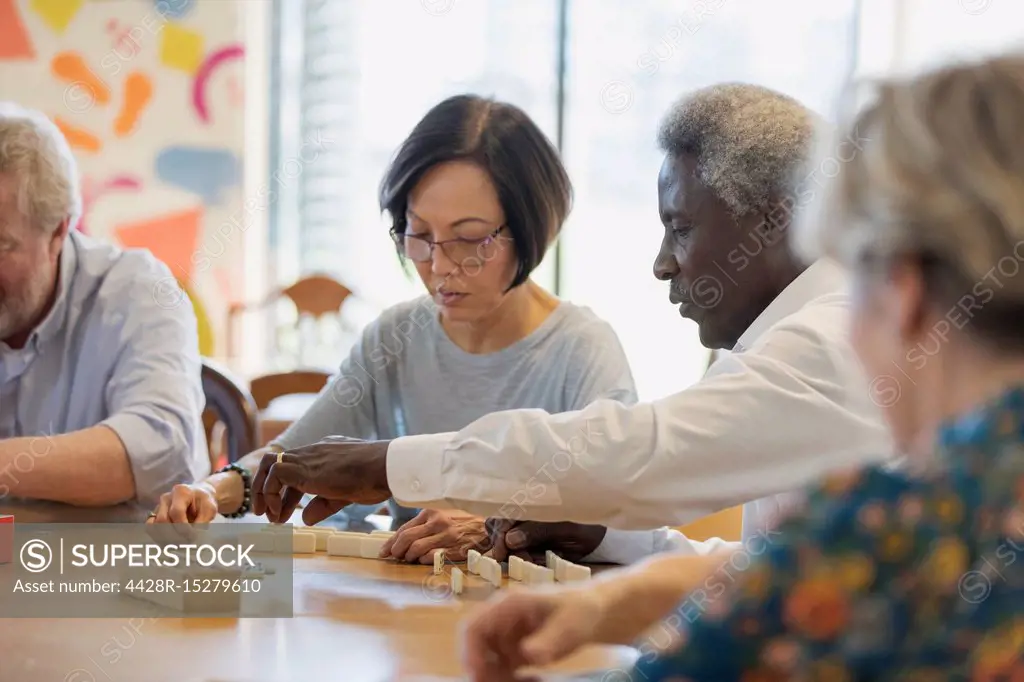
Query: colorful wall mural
149	94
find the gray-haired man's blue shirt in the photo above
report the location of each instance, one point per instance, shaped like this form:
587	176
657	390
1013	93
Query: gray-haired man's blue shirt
119	348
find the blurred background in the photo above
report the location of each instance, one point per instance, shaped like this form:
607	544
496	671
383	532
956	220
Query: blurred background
242	141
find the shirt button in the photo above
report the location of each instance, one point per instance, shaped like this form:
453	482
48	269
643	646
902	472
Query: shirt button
416	485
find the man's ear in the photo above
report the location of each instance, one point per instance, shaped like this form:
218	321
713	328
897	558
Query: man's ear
58	237
63	227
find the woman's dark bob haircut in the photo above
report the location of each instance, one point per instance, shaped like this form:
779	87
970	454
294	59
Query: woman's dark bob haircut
533	186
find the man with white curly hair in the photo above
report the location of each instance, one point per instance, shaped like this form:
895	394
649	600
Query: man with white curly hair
100	387
786	406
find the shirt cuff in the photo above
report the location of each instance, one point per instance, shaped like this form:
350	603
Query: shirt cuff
630	546
415	466
623	547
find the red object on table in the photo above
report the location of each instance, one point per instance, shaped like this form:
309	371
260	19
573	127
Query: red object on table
6	538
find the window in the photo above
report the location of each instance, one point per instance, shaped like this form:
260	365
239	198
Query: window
627	67
356	76
362	72
919	34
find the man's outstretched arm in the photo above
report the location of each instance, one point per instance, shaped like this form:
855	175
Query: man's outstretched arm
763	423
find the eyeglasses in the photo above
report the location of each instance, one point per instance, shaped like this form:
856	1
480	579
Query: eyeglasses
458	250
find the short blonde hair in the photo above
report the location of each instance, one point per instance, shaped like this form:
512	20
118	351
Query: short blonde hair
34	152
940	179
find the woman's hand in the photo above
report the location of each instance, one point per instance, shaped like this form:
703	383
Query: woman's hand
524	629
195	503
455	532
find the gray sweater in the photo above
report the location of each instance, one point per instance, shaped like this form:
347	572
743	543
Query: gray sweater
406	377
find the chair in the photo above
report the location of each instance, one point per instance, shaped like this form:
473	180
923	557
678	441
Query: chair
313	297
726	524
266	388
229	404
277	415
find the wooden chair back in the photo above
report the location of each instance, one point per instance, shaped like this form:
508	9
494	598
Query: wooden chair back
315	296
228	403
266	388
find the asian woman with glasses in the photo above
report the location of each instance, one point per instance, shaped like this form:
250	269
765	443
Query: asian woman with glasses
475	196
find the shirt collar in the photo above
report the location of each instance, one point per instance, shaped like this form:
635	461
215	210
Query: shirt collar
823	277
54	320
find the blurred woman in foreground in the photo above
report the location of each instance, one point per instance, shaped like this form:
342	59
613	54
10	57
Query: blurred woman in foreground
916	574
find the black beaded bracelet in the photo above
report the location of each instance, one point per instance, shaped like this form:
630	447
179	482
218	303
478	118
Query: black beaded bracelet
246	490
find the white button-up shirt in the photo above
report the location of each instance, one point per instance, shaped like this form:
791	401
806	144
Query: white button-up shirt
788	405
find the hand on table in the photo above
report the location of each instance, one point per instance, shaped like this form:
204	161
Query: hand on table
454	531
339	471
524	629
186	503
180	511
531	539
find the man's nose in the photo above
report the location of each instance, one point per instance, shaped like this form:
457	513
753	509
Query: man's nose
665	265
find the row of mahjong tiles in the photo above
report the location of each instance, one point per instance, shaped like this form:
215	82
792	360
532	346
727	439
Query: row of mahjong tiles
313	539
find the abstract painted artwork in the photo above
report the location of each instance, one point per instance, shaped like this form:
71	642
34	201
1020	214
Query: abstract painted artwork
148	94
209	173
15	43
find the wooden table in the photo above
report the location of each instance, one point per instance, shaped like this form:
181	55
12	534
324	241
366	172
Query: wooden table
32	511
364	620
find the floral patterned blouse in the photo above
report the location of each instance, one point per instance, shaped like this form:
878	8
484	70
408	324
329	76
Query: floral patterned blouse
882	576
